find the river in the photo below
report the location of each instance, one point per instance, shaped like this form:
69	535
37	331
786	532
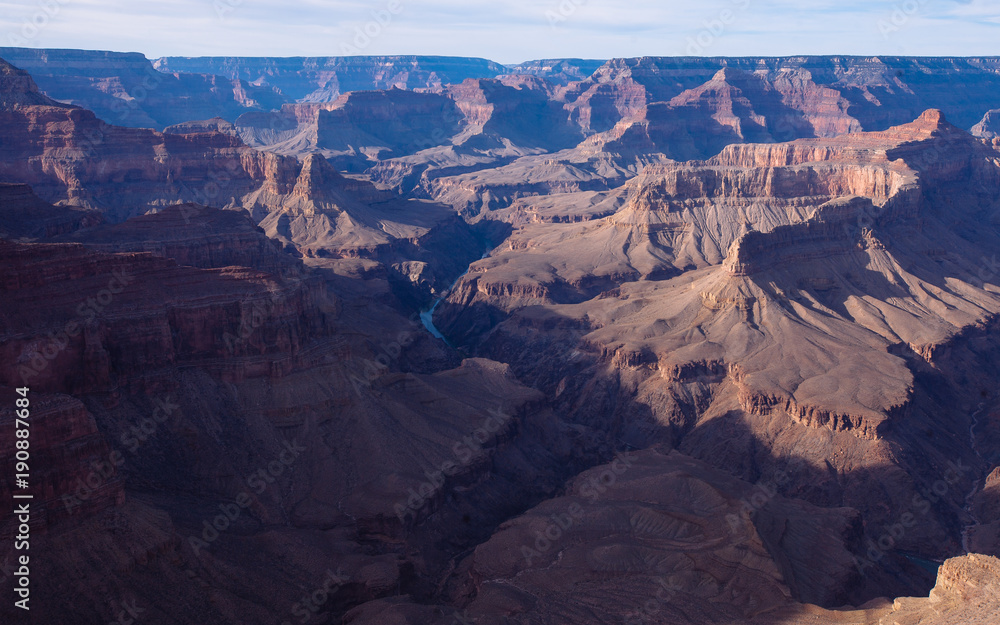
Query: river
427	316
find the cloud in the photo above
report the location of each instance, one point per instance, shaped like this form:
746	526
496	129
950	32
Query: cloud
510	31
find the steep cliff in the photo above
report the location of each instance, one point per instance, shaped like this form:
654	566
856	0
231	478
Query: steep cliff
212	373
24	214
989	126
71	157
878	92
802	295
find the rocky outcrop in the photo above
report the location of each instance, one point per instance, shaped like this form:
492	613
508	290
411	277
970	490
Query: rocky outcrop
610	551
69	157
358	129
559	71
384	123
518	110
74	476
983	536
24	215
195	236
645	111
216	124
614	523
734	106
17	88
604	99
486	119
989	126
965	593
160	329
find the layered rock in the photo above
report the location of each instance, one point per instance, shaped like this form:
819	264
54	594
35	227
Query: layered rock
386	122
559	71
715	540
989	126
878	92
796	293
516	109
321	79
357	129
733	107
643	111
69	156
615	549
799	339
199	372
216	124
24	215
18	89
125	90
195	236
73	475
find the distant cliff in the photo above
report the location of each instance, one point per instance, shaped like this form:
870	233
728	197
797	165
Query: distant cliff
321	79
123	88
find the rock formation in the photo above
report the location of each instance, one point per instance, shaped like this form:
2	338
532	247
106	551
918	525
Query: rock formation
69	157
559	71
125	90
731	356
774	288
989	126
323	79
239	360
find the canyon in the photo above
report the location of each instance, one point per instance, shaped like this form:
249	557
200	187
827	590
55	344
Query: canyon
720	338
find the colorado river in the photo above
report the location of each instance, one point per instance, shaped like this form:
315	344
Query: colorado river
427	316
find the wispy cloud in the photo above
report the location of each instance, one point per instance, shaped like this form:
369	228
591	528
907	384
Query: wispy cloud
510	31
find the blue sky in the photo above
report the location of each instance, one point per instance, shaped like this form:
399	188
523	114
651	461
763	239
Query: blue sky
508	31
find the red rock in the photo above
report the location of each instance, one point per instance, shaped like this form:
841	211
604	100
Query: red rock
789	319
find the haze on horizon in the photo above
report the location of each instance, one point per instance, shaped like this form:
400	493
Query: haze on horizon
508	32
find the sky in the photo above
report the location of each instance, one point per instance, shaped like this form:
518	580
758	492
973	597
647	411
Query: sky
509	31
